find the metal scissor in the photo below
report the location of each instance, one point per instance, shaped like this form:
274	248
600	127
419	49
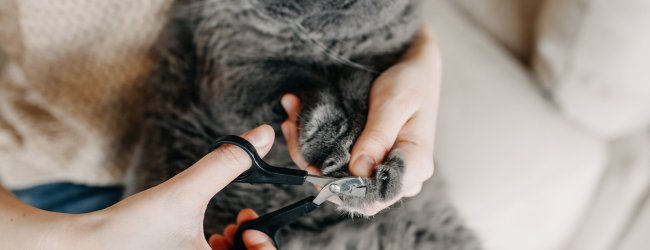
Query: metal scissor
263	173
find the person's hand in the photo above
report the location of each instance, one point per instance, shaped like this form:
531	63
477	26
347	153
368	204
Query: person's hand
167	216
170	215
254	240
402	115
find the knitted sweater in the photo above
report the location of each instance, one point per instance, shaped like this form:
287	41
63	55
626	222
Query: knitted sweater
70	73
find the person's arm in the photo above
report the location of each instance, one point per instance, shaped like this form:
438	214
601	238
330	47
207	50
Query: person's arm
27	227
168	216
402	115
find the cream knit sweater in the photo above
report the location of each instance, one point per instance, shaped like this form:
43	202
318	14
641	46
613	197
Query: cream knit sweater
70	72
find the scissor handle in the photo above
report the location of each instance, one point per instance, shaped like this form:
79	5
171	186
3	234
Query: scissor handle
272	222
261	172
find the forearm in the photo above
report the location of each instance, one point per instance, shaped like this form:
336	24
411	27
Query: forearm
25	227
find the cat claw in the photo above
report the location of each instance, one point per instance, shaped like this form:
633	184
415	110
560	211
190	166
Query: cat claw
348	186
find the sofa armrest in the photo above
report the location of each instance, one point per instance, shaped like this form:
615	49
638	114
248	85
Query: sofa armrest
593	58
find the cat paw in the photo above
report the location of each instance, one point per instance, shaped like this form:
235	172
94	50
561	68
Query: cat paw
326	138
383	186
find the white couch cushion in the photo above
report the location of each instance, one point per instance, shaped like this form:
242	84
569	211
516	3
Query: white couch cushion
511	22
611	217
594	57
516	169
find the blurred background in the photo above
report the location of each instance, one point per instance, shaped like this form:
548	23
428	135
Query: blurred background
543	134
543	131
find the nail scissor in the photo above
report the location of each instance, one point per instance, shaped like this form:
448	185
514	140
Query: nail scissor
263	173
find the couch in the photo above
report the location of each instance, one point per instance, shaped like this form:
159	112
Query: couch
543	127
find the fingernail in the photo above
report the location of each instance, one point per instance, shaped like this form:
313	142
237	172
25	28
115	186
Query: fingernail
260	137
363	165
286	103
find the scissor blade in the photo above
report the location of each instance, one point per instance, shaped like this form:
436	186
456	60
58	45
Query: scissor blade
353	186
357	191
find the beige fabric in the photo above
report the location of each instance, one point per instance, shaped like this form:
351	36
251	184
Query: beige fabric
518	171
593	57
9	33
511	22
76	93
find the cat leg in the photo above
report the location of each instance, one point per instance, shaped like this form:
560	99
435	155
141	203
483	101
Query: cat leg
329	126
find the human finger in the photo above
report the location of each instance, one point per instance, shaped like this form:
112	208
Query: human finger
220	167
245	215
256	240
387	115
290	132
229	233
218	242
291	104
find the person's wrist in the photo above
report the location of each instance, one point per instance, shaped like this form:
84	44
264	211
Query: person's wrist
26	227
69	231
31	228
59	232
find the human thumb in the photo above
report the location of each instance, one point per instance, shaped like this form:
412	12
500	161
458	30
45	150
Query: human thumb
218	168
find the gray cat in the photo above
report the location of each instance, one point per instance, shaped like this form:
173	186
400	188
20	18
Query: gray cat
223	66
